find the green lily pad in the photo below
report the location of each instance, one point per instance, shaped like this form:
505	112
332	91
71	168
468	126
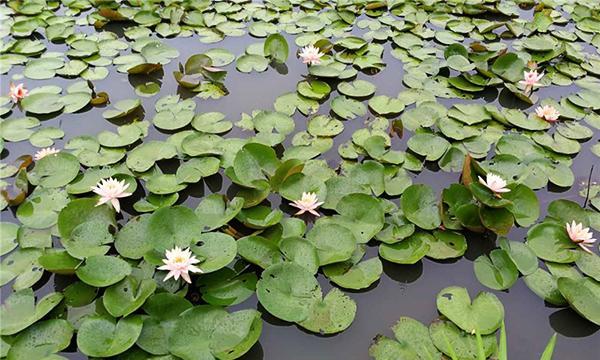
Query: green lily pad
276	48
259	217
126	296
354	276
384	348
122	108
497	271
18	129
521	255
552	243
259	250
20	310
80	211
210	332
41	340
288	291
88	239
445	245
357	88
420	206
8	237
163	310
59	262
300	251
55	170
407	251
225	287
449	339
104	336
173	226
589	264
40	210
22	266
544	285
583	295
524	204
214	211
334	243
217	250
333	314
484	315
415	335
102	271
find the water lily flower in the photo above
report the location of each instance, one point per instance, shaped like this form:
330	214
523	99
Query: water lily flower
111	190
531	79
548	113
495	183
17	92
580	236
309	202
180	263
45	152
311	55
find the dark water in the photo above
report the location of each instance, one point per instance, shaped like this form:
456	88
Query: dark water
402	290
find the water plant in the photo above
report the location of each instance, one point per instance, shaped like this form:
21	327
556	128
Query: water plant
173	180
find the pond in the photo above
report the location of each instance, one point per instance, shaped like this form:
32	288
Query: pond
214	130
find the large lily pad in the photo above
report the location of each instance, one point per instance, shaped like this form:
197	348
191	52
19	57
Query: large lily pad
420	206
288	291
483	315
583	295
20	310
103	336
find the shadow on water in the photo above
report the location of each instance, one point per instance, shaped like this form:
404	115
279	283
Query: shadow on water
567	323
403	274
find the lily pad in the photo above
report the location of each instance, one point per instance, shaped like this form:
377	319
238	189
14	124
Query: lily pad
103	336
497	271
20	310
102	271
583	295
288	291
484	315
420	206
550	242
333	314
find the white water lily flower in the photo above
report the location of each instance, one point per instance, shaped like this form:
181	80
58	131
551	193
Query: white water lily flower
548	113
309	202
17	92
45	152
495	183
111	190
531	79
580	236
180	263
311	55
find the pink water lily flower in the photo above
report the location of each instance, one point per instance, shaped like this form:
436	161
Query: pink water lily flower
581	236
311	55
111	190
309	202
45	152
531	79
495	183
180	263
17	92
548	113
